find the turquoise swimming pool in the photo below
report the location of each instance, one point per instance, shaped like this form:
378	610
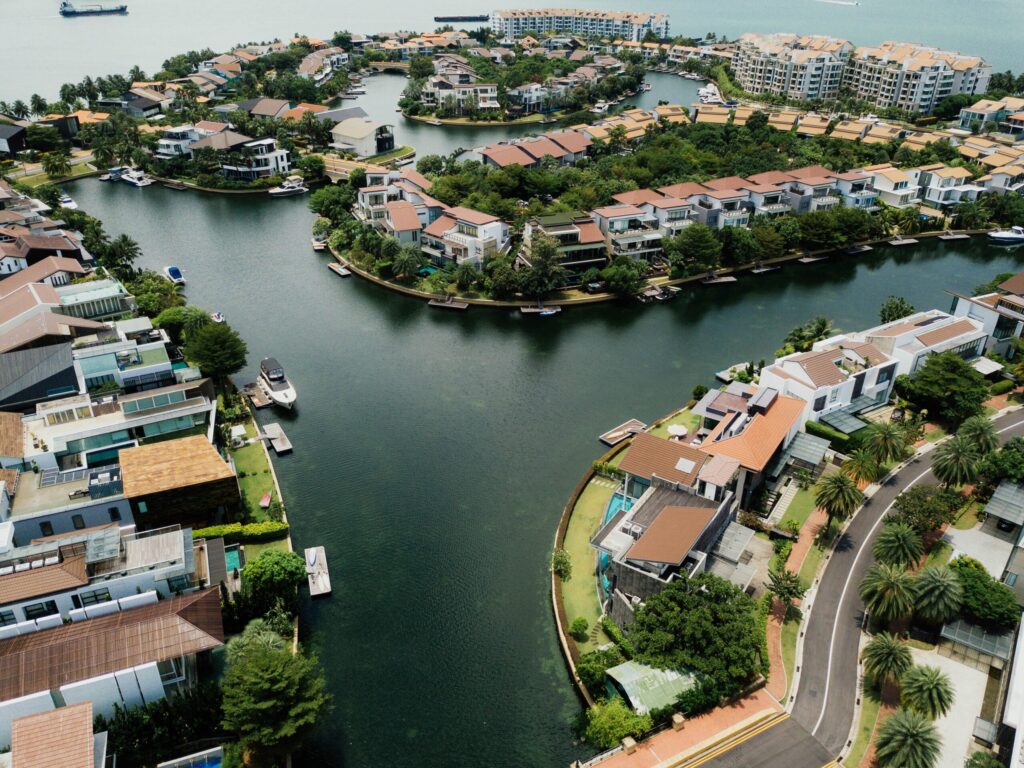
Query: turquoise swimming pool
616	503
233	560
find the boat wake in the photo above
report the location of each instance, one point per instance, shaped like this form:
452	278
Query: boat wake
838	2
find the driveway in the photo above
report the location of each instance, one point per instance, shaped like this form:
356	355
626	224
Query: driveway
957	725
979	543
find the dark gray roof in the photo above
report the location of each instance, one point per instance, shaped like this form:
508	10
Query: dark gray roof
998	644
1007	503
23	370
343	113
8	131
248	104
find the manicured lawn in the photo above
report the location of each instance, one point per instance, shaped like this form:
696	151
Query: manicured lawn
870	704
968	517
799	509
383	157
579	594
687	418
38	179
935	435
811	562
252	551
254	476
939	555
790	632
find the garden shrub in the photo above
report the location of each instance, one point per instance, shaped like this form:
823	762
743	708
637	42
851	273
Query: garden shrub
1002	387
237	533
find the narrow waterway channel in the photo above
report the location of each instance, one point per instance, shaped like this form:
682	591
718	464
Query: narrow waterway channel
434	452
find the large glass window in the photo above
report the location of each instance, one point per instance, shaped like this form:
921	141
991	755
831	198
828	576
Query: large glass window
7	618
95	596
38	610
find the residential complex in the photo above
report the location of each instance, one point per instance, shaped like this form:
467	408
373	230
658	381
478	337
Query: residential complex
628	25
799	68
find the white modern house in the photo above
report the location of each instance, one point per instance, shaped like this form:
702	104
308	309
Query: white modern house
363	137
462	235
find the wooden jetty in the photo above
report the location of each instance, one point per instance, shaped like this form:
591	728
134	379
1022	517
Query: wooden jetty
339	269
718	280
812	259
954	236
256	396
903	241
539	310
448	303
316	572
621	432
175	185
853	250
278	439
760	269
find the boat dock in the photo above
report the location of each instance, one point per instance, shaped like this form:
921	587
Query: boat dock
623	431
175	185
760	270
954	236
903	241
256	396
718	280
853	250
316	572
531	310
448	303
278	439
339	269
812	259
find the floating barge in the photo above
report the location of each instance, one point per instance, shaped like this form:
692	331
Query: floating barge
316	572
443	19
339	269
615	436
954	236
448	303
903	241
278	439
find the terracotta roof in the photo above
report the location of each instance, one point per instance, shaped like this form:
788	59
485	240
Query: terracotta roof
50	658
946	332
634	197
590	233
610	211
44	324
158	467
59	738
12	434
268	107
571	141
771	177
683	190
503	155
672	535
1014	285
669	202
402	215
39	271
673	461
542	147
726	183
412	175
755	445
45	580
821	365
439	226
211	125
473	217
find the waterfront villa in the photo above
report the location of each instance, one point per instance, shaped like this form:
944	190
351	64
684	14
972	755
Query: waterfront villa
402	223
1001	114
259	159
630	231
464	236
441	95
363	137
320	65
1001	314
581	243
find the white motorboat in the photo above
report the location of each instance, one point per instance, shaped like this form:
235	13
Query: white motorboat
276	384
600	108
217	317
174	274
136	178
66	201
293	185
357	90
1011	236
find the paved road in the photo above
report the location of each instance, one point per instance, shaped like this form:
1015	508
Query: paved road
786	745
828	677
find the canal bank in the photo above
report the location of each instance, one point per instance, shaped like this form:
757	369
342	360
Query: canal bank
434	452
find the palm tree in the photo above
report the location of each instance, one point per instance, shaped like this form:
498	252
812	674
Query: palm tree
68	92
885	441
907	740
898	544
20	109
120	256
927	691
838	495
938	594
909	220
862	466
466	275
886	659
407	262
980	432
5	108
57	164
887	592
38	104
956	462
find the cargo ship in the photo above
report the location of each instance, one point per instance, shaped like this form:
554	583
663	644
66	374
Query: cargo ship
442	19
68	8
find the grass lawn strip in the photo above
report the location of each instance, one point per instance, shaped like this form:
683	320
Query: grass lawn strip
579	594
968	517
687	418
252	460
800	508
790	632
870	705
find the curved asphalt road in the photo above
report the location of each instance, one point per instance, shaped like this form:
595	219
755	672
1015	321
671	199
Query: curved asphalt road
827	686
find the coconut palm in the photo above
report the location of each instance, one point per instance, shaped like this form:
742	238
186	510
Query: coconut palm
907	740
38	105
407	262
20	109
837	494
862	466
909	220
956	462
887	592
886	659
938	594
927	691
898	544
980	432
885	441
56	165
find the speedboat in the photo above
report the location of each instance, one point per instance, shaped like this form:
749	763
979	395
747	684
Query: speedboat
217	317
173	274
293	185
1010	236
136	178
276	384
66	201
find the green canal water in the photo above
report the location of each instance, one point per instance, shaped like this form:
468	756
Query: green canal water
434	452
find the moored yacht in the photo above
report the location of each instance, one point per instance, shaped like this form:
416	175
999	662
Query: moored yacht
1010	236
276	384
174	274
66	201
293	185
136	178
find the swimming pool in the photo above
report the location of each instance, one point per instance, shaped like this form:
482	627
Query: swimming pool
426	271
616	503
233	561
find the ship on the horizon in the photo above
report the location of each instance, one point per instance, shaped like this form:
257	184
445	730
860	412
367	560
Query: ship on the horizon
481	17
68	8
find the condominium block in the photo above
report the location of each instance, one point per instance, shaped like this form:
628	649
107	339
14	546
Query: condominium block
627	25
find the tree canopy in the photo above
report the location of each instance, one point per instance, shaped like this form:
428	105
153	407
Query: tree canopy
217	349
986	601
925	508
948	387
609	722
271	577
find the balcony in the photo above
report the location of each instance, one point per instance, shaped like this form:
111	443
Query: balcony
773	209
824	202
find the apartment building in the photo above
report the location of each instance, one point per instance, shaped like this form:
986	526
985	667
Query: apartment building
464	236
628	25
795	67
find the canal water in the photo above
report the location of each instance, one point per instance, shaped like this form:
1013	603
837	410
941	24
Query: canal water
434	452
154	29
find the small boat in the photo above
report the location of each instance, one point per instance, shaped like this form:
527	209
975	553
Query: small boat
434	122
276	384
293	185
265	501
136	178
217	317
113	174
1013	235
174	274
540	310
311	557
339	269
66	201
405	162
646	87
600	108
357	90
318	245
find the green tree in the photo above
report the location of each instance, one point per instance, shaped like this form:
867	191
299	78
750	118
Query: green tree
1005	464
986	601
786	586
983	759
837	494
545	273
609	722
271	577
907	740
887	592
217	349
895	308
956	462
885	441
256	633
311	166
561	564
578	628
886	659
407	262
592	667
420	67
694	250
898	544
980	432
948	387
926	508
466	276
57	165
927	691
272	701
938	594
120	255
862	466
624	277
181	322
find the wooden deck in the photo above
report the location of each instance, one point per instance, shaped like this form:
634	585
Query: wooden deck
618	434
316	572
719	280
278	439
903	241
812	259
853	250
448	304
256	396
338	269
954	236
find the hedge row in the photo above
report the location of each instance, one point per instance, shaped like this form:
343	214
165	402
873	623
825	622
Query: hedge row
840	442
1002	387
236	533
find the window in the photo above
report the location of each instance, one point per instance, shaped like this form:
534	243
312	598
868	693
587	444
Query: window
38	610
95	596
7	618
143	508
833	395
78	521
177	583
46	528
115	514
1011	579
